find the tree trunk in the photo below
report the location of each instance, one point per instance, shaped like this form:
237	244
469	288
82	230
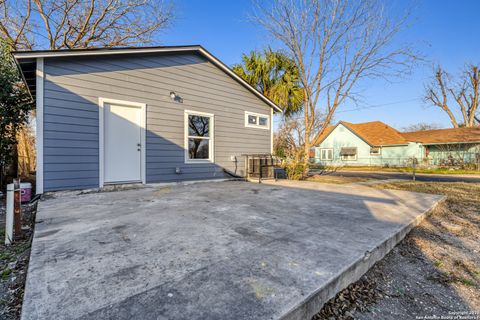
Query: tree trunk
306	150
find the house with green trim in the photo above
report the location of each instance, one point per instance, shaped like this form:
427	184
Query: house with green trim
377	144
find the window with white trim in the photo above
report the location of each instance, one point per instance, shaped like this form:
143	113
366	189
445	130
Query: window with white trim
198	137
326	154
257	120
375	151
348	153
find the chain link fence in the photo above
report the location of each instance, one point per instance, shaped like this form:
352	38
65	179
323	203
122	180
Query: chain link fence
465	161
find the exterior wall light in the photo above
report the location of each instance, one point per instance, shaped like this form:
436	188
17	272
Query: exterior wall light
175	97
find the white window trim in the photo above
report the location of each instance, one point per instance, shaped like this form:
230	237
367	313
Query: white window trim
376	154
211	130
39	125
271	131
350	159
101	137
327	149
257	126
354	159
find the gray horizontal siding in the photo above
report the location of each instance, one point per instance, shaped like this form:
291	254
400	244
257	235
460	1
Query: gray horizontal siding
74	85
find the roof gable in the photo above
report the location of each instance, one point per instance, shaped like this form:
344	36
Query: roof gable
26	60
375	133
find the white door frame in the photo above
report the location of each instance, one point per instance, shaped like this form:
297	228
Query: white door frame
101	136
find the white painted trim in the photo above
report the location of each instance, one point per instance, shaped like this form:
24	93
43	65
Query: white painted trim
99	52
101	136
257	126
271	131
39	74
356	154
211	150
200	49
376	154
327	149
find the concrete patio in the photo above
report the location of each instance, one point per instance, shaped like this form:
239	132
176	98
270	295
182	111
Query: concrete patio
217	250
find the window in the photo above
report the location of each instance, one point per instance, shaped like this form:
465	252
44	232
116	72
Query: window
256	120
198	137
375	151
348	153
326	154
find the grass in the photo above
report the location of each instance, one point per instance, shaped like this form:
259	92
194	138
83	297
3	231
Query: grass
452	230
466	282
409	170
456	192
5	274
336	179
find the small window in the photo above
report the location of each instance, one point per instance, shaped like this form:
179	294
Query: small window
255	120
326	154
348	153
198	137
375	151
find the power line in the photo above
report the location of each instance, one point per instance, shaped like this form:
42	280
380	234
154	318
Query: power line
379	105
371	106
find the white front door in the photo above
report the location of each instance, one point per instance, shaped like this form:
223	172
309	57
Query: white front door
122	143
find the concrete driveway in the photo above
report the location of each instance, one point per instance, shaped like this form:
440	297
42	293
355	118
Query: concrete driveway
219	250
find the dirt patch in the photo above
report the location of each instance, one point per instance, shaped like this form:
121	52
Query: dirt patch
434	271
336	179
14	263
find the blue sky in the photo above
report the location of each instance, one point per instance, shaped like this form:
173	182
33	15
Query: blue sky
445	32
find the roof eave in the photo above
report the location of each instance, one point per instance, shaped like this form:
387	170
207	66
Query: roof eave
23	79
459	142
393	145
18	55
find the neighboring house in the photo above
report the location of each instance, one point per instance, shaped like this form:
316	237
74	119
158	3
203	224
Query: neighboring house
144	115
375	143
448	146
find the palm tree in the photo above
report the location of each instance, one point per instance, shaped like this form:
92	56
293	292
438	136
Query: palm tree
275	75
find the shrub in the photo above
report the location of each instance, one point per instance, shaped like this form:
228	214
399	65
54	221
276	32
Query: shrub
295	170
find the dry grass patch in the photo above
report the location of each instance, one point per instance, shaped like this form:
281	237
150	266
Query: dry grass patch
336	179
434	271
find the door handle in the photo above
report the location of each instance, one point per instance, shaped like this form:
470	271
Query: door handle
139	144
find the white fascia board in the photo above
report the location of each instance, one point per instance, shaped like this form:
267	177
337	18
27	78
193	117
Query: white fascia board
201	50
39	74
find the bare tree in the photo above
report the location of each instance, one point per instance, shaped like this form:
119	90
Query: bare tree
421	126
335	44
465	95
67	24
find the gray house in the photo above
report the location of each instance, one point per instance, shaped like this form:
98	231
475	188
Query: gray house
141	115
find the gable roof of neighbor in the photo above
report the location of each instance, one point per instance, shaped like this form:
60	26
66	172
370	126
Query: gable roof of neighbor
440	136
377	133
26	61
